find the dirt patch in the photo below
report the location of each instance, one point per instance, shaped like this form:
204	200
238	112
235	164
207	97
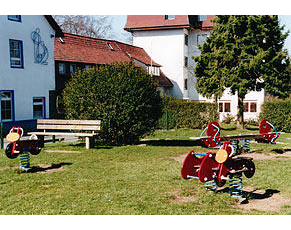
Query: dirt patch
179	158
264	200
267	156
181	199
42	168
8	167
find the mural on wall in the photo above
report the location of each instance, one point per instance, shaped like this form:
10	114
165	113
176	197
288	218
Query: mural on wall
40	50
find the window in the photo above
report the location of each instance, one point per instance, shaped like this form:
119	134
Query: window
62	68
186	39
186	61
253	107
88	67
109	46
16	18
202	18
38	107
169	17
185	84
6	105
250	107
153	70
220	107
16	53
224	107
73	68
246	107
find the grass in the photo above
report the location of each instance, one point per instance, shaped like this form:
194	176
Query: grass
130	180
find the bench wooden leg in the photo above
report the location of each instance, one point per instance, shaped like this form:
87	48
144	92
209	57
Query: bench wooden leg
41	141
87	143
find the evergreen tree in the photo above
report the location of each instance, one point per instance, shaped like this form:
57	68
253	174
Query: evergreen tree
244	53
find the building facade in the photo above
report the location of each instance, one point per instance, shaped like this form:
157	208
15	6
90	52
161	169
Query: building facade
172	40
74	52
27	70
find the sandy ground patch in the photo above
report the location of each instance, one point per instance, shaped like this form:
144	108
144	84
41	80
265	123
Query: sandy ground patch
181	199
264	200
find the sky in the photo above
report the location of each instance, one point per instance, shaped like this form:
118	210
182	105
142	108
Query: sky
118	23
286	20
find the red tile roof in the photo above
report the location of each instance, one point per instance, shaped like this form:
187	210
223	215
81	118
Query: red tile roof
82	49
76	48
150	22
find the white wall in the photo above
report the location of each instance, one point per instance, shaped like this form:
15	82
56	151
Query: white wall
166	47
34	80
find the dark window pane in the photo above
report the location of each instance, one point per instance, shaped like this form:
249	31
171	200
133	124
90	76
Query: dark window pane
253	107
227	107
246	107
220	107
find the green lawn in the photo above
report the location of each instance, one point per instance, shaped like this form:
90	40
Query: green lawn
141	179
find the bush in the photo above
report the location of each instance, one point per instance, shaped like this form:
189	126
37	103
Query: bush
192	115
278	113
124	97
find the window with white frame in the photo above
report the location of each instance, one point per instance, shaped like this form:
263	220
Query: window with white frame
224	107
16	53
250	107
38	107
6	98
153	70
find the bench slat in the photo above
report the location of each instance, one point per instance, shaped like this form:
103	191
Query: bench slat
68	127
68	122
62	134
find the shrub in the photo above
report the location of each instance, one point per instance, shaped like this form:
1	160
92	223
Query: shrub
193	115
278	113
123	96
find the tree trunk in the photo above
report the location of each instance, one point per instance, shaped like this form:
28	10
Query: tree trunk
240	112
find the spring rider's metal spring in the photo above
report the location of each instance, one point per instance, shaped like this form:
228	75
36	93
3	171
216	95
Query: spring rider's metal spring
235	185
210	186
24	161
247	145
235	143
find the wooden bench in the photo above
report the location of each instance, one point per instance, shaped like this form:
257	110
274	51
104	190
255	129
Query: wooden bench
85	128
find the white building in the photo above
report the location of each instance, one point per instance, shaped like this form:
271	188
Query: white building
27	70
172	40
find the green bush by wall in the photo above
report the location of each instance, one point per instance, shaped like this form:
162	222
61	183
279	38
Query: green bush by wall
278	113
193	115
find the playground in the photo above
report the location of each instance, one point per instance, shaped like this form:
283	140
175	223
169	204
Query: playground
142	179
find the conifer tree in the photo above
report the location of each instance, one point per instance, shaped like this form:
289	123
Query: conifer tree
244	53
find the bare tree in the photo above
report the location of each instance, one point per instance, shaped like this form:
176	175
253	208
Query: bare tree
98	26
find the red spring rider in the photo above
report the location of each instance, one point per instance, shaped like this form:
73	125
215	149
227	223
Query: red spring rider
214	169
21	147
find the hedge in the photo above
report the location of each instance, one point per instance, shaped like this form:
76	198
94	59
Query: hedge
278	113
193	115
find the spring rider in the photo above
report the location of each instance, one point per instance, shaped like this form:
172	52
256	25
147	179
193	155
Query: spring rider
215	169
18	147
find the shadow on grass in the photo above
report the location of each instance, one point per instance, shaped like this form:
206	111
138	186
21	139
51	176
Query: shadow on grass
252	195
96	146
170	142
36	169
